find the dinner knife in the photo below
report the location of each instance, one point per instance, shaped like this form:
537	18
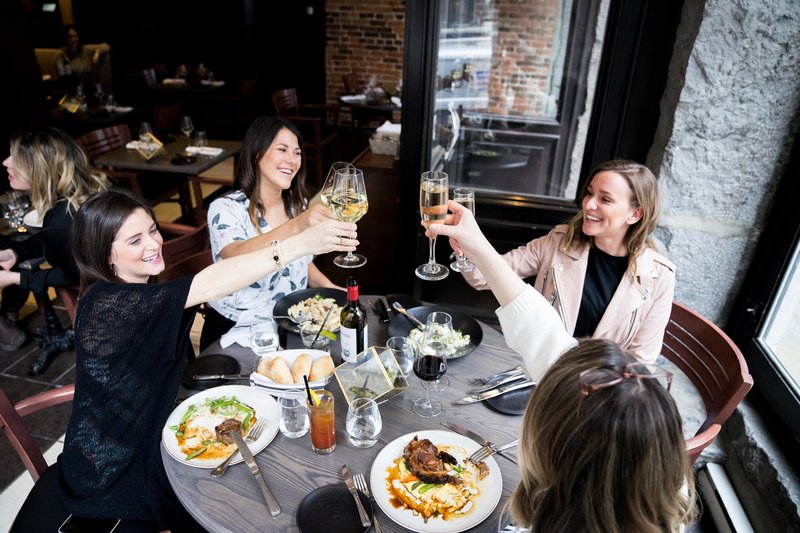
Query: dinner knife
272	504
496	392
362	513
205	377
477	438
509	379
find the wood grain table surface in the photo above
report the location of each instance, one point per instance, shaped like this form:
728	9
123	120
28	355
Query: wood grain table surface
234	503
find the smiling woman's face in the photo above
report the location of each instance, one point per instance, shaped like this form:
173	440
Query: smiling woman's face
136	250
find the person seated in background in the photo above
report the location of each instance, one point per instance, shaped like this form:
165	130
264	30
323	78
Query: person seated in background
87	64
598	422
271	203
601	271
128	338
49	165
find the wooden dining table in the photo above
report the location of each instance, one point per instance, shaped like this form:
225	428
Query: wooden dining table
292	470
127	159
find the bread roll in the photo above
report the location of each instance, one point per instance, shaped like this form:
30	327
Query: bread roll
279	372
301	367
321	368
263	366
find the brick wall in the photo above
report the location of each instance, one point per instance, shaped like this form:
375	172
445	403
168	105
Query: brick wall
365	38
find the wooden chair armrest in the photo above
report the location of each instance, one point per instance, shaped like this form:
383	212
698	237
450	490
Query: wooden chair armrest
698	443
44	399
175	228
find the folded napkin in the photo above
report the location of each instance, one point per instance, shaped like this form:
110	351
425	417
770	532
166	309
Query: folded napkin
209	83
118	109
173	81
237	334
389	130
204	150
354	97
132	145
396	101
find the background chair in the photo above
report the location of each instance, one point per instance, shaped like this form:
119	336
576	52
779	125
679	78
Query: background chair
17	432
222	175
165	119
98	142
713	363
311	120
228	115
181	241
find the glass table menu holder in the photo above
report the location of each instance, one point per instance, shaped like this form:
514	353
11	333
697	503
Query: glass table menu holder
149	146
374	374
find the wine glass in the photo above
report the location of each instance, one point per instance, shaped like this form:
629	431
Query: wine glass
430	362
187	127
326	191
433	208
466	197
349	203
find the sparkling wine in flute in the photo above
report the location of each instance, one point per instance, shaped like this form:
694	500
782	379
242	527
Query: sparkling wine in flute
432	203
469	203
348	206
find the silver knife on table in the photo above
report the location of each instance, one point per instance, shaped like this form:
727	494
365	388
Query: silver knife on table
362	513
477	438
272	504
495	392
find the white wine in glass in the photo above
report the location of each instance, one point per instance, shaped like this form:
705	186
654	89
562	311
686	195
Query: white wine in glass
466	197
433	191
187	127
349	203
327	188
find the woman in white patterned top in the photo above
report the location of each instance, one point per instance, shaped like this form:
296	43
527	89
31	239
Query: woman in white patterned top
271	203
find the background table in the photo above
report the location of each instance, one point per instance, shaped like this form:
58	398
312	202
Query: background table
292	470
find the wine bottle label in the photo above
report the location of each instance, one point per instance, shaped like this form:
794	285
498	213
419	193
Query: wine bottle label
353	342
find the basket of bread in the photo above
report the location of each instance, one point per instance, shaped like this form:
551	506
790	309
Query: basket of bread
285	369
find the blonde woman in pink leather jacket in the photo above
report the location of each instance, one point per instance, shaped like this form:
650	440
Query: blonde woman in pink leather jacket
601	271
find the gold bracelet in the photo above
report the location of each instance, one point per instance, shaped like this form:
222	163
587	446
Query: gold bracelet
276	254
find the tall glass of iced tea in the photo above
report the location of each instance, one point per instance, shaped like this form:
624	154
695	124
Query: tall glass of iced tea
323	423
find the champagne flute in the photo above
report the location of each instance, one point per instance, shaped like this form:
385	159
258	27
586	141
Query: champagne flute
433	208
326	191
187	127
349	203
466	197
430	363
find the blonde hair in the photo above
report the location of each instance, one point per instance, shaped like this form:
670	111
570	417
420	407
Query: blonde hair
644	195
614	460
56	168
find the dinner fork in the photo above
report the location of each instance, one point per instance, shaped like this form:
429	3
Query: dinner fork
497	377
486	452
361	484
252	436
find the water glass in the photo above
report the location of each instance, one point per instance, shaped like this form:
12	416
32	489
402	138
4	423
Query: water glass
264	335
308	331
201	139
363	423
294	413
403	352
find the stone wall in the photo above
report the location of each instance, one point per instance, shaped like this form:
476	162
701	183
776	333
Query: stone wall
729	115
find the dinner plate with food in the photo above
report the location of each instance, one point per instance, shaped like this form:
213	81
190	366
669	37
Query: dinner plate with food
423	482
310	304
195	432
285	369
467	333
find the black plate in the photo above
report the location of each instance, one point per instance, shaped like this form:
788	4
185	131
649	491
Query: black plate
282	306
180	159
406	300
402	326
511	403
209	364
331	509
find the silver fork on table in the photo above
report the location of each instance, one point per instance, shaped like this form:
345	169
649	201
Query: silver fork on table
485	452
361	484
499	376
252	436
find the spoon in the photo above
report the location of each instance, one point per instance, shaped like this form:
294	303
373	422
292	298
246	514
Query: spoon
411	317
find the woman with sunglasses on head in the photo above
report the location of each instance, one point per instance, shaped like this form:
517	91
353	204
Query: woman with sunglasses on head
600	271
601	447
128	338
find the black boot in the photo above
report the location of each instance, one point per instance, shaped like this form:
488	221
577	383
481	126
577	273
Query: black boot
11	337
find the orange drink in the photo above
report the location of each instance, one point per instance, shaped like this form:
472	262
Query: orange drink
323	423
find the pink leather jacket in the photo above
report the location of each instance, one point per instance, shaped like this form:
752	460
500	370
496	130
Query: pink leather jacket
638	312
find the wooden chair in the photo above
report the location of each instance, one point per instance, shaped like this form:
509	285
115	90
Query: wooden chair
223	175
229	115
17	432
97	142
316	132
713	363
181	241
165	119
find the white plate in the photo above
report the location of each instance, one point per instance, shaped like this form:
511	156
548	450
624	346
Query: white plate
289	356
32	219
265	406
491	486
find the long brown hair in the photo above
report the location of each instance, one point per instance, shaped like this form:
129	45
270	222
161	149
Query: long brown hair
612	461
259	137
94	230
644	194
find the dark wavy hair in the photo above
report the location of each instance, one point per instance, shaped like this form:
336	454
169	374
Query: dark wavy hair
612	461
259	137
94	229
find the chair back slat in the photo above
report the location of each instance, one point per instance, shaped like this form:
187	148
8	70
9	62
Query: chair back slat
98	142
185	241
285	102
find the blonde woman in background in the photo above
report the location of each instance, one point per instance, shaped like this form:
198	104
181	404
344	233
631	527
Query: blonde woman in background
54	171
